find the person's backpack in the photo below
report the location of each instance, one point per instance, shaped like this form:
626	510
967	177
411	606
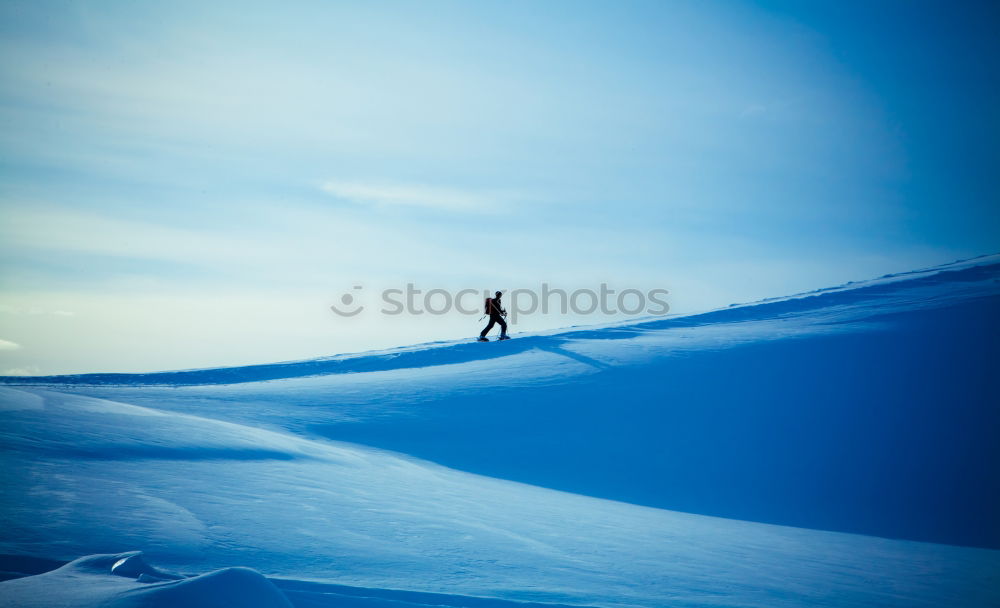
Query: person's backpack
486	306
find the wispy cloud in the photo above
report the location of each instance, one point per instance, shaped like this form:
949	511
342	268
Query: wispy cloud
28	370
413	195
139	252
13	310
8	345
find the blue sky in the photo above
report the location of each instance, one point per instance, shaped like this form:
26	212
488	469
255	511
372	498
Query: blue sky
188	184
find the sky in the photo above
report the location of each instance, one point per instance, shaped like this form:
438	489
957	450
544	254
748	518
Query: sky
193	184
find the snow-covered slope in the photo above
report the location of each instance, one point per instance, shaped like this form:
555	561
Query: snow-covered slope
612	466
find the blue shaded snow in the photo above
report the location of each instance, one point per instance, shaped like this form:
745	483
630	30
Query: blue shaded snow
126	581
641	464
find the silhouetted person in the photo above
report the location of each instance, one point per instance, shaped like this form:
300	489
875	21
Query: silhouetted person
496	313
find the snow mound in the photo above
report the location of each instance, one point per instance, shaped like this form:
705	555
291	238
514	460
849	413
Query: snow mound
85	583
124	580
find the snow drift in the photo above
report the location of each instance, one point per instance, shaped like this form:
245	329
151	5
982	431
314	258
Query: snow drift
125	580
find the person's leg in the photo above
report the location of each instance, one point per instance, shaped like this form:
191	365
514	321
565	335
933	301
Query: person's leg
503	326
488	328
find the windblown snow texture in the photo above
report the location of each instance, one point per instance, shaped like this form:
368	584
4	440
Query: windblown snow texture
833	448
